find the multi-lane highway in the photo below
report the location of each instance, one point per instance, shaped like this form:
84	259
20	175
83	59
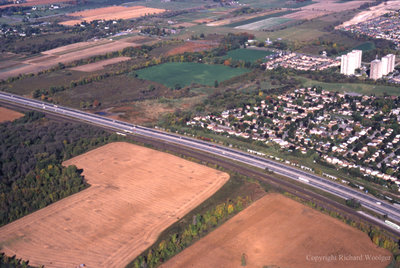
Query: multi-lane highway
326	185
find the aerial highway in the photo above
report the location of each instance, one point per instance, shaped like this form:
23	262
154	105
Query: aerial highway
332	187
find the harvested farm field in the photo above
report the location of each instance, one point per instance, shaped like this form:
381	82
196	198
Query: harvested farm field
276	231
65	54
110	13
96	66
135	194
9	115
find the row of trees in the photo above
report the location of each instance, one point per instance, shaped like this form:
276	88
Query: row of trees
13	262
32	150
201	225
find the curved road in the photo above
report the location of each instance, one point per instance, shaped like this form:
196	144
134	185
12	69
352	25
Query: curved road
326	185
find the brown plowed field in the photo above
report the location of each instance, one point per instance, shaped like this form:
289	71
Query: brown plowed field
111	13
135	194
8	115
276	230
91	67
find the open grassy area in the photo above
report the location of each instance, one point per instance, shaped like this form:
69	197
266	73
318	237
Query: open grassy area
274	15
365	46
249	55
276	3
186	73
267	24
360	88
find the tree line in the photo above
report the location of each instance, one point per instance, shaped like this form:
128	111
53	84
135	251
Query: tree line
32	150
201	225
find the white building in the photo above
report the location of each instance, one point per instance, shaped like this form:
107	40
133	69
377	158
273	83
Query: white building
388	63
385	66
376	69
350	62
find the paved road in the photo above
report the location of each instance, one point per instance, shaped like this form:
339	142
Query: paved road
368	201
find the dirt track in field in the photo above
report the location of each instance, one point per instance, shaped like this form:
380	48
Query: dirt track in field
276	230
9	115
135	194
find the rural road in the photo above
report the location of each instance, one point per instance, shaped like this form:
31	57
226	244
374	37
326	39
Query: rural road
368	201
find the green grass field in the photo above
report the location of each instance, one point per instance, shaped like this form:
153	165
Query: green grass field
360	88
266	24
185	73
249	55
365	46
256	19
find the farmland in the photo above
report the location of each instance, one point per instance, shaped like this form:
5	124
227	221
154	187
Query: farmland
192	46
111	13
260	18
96	66
8	115
266	24
66	54
119	216
186	73
280	232
250	55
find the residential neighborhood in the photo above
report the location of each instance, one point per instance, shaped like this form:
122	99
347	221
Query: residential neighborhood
300	62
351	131
386	27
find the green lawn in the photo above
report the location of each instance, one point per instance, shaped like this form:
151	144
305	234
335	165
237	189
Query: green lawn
185	73
360	88
249	55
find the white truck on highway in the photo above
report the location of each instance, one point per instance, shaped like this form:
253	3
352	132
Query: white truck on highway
303	179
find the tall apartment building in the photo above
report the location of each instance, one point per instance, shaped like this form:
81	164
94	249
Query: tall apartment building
382	67
388	64
350	62
376	69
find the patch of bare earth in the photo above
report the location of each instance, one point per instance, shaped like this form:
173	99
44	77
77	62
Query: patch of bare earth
276	230
9	115
372	13
135	194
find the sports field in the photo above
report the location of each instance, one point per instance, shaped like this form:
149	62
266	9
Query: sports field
185	73
249	55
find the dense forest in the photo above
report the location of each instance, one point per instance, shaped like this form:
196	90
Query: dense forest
32	150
